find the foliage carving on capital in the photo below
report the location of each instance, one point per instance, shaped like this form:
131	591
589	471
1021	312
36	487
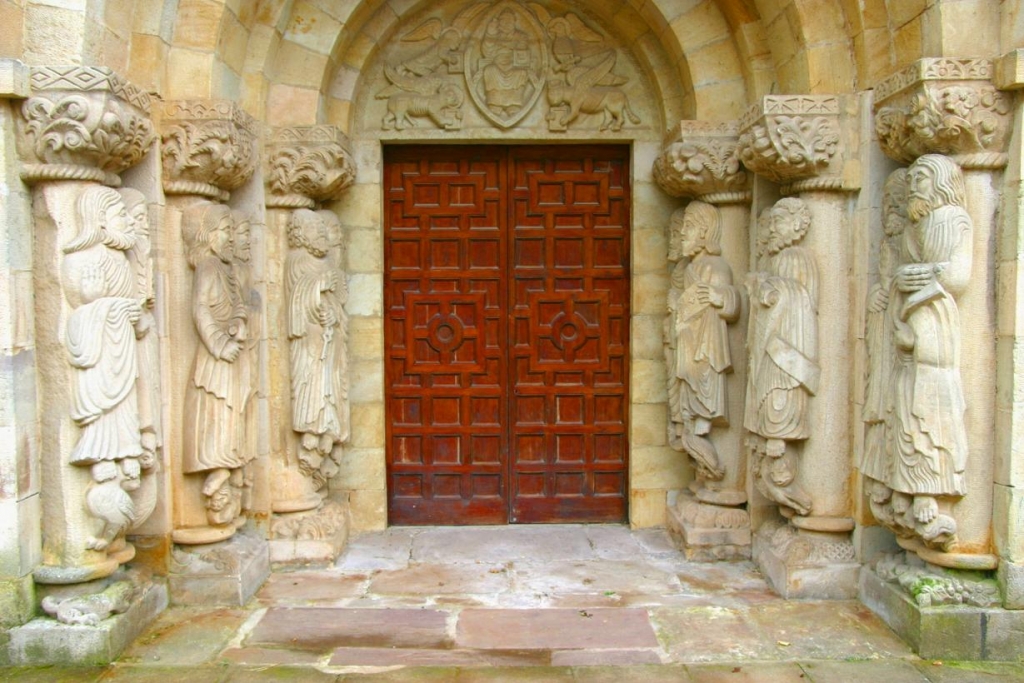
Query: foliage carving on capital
791	138
208	147
702	160
306	164
944	106
83	123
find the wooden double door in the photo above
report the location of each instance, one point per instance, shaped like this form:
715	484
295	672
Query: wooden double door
506	333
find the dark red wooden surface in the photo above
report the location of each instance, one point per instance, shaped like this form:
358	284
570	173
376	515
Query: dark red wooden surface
506	334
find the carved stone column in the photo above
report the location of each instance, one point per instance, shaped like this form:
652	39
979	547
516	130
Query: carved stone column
78	131
700	161
799	342
209	150
950	107
948	122
20	495
307	335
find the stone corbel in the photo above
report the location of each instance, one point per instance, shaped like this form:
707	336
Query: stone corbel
944	106
208	147
306	165
82	123
701	160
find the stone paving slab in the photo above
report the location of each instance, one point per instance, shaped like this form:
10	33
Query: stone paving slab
747	672
312	587
388	549
314	628
499	544
442	579
834	629
554	629
604	657
367	656
863	672
563	577
710	634
186	636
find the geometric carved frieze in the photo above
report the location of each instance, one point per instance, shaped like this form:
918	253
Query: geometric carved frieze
944	106
307	164
794	140
82	123
208	147
701	160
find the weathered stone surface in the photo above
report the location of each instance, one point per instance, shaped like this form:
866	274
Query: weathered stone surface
324	629
44	641
554	629
186	636
710	634
225	573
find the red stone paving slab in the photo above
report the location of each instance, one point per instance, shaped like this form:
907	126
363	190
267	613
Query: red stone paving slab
746	672
299	587
291	674
373	656
834	629
604	657
534	674
313	628
554	629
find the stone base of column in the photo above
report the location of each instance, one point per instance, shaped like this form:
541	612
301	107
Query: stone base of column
708	533
80	636
806	564
1011	584
312	538
944	631
17	600
225	573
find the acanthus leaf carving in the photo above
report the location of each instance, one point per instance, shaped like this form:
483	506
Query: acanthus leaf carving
703	162
944	112
306	164
83	123
208	147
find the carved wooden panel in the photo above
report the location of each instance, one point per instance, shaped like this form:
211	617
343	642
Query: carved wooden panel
506	331
569	333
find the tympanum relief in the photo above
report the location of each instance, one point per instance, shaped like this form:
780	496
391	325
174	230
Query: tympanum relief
916	447
702	302
782	347
505	58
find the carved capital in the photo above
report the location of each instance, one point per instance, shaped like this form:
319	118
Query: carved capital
82	123
944	106
208	147
307	164
794	140
701	160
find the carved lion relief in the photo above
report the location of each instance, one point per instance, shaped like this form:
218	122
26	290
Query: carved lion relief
505	58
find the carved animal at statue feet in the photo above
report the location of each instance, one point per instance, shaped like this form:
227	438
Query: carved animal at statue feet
109	499
91	609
